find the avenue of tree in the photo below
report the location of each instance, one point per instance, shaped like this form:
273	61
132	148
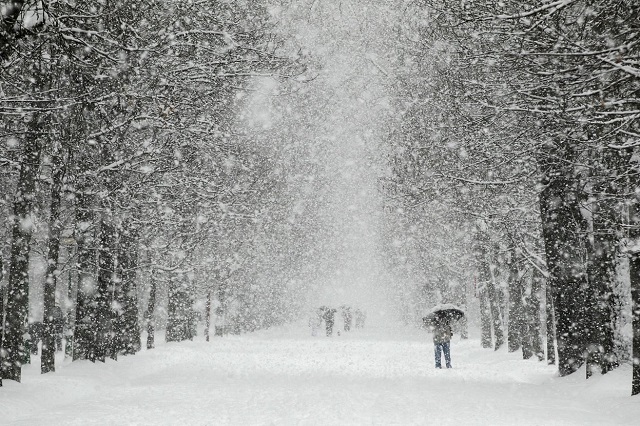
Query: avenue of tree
512	167
122	170
519	131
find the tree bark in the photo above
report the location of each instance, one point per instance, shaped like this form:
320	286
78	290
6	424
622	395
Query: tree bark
179	311
485	319
516	308
561	227
47	361
634	278
494	305
601	275
151	307
84	336
634	272
489	311
12	350
2	320
2	294
127	266
533	312
105	290
464	328
208	316
551	326
70	317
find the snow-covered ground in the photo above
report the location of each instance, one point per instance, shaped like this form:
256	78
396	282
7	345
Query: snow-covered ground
376	376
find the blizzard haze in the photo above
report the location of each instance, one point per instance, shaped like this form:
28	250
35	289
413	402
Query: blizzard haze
320	212
332	119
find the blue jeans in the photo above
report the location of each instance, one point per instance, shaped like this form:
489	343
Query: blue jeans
437	347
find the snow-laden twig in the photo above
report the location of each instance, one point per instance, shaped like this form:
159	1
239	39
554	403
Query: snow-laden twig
480	182
535	260
635	72
550	7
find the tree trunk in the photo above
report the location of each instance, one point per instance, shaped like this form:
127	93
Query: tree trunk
151	307
533	314
634	278
47	363
601	271
173	319
561	226
525	332
178	321
208	316
105	290
513	327
116	334
2	320
128	265
634	272
485	319
551	327
12	350
464	328
488	305
496	318
84	336
70	317
516	308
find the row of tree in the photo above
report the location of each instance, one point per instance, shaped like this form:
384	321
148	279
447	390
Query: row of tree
520	120
125	171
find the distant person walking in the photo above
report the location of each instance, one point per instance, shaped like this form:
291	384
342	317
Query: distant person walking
360	317
328	318
441	342
347	317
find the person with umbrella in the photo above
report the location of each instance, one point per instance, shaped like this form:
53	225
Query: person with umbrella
328	317
439	322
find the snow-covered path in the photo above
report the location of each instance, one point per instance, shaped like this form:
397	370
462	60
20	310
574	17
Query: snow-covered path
376	376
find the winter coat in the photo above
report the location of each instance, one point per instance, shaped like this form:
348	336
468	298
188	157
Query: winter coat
441	333
328	316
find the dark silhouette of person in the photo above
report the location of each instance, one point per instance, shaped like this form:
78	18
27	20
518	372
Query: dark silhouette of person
441	339
360	317
347	317
328	317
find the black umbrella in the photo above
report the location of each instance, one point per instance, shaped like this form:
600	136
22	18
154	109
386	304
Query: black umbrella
444	313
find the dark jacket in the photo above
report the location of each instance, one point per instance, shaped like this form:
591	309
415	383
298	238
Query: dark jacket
328	316
441	333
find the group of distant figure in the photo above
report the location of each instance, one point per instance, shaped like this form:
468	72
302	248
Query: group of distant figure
327	314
